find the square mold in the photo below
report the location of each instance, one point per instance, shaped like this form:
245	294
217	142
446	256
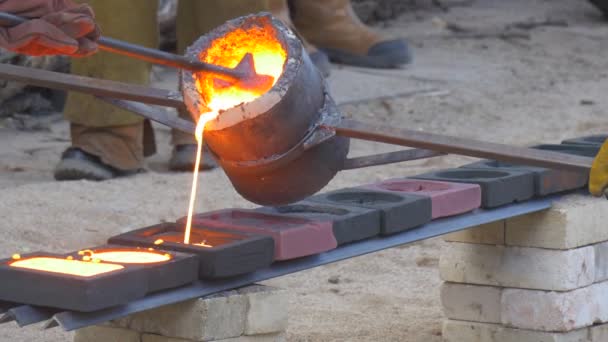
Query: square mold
221	253
447	198
546	181
83	286
399	212
164	269
498	187
293	237
349	223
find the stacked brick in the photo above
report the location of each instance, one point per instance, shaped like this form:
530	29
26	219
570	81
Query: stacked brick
541	277
255	313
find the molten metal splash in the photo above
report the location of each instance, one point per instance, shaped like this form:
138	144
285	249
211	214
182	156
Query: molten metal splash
65	266
269	56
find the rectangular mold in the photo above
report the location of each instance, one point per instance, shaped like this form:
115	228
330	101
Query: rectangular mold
70	292
593	140
498	187
232	252
399	212
293	237
546	181
447	199
577	150
180	270
349	223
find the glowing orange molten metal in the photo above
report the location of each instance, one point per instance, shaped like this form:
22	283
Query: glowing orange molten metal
65	266
269	56
132	257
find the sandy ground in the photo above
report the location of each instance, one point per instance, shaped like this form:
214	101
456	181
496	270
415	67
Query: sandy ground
499	88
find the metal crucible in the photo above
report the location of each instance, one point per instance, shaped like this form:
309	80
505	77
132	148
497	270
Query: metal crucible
271	147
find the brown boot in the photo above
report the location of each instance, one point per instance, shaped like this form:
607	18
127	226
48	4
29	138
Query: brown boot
279	9
333	26
101	153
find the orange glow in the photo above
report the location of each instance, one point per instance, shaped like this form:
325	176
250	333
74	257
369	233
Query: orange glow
132	257
65	266
269	56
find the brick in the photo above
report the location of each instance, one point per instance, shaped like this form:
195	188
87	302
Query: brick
106	334
595	140
599	333
267	309
497	187
471	302
349	223
490	234
555	311
601	262
294	237
518	267
546	181
280	337
447	199
459	331
400	212
211	318
159	338
573	221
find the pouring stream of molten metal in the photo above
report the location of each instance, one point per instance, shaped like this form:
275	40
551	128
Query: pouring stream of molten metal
256	48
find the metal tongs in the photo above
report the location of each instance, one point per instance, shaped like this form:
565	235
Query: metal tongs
243	74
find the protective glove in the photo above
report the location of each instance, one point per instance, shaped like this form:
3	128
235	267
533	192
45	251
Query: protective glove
60	27
598	178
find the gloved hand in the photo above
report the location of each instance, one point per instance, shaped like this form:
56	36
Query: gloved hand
598	178
60	27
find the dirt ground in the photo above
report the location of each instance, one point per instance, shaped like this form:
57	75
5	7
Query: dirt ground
493	82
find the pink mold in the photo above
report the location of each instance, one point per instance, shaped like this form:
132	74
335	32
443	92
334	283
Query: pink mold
447	199
293	237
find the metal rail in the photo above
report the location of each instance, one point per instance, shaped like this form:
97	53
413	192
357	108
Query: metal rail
70	320
463	146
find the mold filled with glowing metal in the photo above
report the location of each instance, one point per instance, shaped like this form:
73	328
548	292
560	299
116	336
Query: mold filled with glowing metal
65	266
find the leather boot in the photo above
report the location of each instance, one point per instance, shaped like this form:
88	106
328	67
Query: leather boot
333	26
101	153
279	9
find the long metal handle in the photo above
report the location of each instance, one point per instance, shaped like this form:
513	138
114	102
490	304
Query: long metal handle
462	146
144	53
93	86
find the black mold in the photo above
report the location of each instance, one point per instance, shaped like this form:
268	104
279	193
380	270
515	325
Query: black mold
233	253
497	187
399	212
349	223
70	292
180	270
546	181
593	140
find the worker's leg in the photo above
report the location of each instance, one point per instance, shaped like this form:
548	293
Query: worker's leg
280	9
333	26
107	141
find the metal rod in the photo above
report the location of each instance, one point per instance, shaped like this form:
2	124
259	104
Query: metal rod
463	146
389	158
155	114
93	86
70	320
144	53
